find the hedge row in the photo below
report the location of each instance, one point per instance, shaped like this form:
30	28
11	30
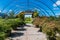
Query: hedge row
48	25
6	25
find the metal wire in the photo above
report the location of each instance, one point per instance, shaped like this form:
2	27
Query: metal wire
55	3
35	3
40	9
8	5
46	6
38	6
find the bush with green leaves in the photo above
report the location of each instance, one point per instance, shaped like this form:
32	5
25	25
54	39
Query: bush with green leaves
3	29
6	25
21	15
2	35
50	29
28	20
35	14
11	14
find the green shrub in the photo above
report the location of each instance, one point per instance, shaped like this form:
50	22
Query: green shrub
50	26
2	35
6	25
21	15
35	14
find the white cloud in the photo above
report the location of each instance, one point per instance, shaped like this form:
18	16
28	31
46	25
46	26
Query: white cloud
0	10
54	5
57	13
10	10
57	2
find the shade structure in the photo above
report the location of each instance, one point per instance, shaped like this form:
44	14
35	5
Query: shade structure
45	7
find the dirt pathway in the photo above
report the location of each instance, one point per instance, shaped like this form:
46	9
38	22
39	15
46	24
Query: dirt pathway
28	32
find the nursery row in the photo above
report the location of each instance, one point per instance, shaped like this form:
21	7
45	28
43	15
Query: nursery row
6	25
49	25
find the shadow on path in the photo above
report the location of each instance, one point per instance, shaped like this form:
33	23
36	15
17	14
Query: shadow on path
16	34
21	28
28	25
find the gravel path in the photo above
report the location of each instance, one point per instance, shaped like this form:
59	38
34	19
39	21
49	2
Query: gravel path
29	32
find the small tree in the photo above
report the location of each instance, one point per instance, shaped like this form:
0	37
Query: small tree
21	15
35	14
5	16
49	27
11	14
51	18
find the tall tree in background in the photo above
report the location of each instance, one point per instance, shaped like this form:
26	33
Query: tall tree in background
11	14
35	14
22	18
21	15
5	15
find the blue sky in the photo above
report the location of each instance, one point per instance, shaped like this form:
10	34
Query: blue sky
41	5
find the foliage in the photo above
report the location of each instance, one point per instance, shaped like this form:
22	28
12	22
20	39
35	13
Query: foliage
21	15
9	22
28	20
6	25
11	14
2	35
50	26
51	18
35	14
39	20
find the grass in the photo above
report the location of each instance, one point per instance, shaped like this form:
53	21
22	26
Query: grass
28	20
